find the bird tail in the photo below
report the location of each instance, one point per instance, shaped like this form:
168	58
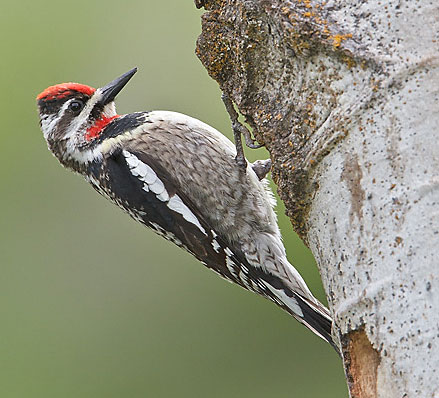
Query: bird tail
316	317
307	310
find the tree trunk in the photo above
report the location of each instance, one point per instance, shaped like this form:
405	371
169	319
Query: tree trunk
344	95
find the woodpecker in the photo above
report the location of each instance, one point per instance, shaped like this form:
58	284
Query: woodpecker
178	176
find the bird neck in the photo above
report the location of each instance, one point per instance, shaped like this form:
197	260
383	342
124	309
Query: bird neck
99	126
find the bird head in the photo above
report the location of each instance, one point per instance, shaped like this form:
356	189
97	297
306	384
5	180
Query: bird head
73	116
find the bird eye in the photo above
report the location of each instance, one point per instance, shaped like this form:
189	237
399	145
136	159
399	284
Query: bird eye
76	106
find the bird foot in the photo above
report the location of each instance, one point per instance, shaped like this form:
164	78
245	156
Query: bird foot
239	130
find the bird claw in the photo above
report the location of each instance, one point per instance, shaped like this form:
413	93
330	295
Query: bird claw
249	140
239	130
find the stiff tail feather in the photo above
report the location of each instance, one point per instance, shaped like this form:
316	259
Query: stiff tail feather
316	317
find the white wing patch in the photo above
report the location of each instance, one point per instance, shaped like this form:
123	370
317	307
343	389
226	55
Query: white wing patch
164	196
216	245
157	187
176	204
228	252
152	183
290	302
230	265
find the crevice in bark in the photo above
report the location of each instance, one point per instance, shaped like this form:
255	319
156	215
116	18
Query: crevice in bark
344	96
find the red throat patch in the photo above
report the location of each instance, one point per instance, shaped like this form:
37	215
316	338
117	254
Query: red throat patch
64	89
97	128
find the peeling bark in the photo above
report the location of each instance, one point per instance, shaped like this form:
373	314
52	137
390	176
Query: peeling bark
345	97
361	362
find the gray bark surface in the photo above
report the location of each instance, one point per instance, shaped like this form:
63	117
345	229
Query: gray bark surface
344	95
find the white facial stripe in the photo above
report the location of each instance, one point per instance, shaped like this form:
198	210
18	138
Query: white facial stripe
74	137
48	123
109	110
83	117
85	156
71	136
152	183
48	126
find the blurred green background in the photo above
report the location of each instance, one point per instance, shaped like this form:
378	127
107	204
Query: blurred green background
91	303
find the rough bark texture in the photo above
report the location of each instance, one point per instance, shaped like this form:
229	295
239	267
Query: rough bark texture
345	97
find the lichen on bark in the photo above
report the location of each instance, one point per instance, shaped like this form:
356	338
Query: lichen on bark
344	96
243	45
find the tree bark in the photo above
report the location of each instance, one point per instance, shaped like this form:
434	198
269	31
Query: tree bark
344	95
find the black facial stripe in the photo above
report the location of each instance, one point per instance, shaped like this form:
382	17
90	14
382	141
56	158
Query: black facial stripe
96	112
122	124
54	105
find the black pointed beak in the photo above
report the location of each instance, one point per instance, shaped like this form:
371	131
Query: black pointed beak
110	91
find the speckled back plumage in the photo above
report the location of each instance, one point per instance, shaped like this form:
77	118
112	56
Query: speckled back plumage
178	176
